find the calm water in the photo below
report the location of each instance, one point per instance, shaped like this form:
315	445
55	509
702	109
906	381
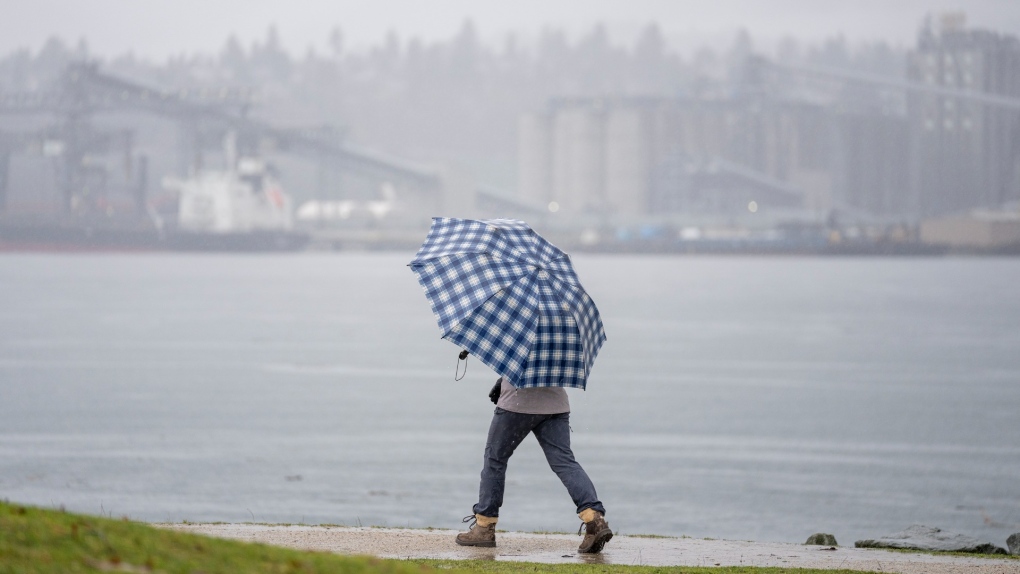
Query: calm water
760	399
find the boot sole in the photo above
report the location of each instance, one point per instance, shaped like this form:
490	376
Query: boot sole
599	543
478	544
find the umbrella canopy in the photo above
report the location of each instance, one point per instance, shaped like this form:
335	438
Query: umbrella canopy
512	299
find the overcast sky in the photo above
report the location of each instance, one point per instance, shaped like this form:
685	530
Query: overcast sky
156	29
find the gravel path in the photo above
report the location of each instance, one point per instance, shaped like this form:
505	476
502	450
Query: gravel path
560	548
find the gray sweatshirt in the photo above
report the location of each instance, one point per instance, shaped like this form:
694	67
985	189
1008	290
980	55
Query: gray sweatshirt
532	401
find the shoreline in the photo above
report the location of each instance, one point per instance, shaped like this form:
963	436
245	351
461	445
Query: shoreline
403	543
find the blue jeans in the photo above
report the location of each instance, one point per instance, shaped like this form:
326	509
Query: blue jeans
509	429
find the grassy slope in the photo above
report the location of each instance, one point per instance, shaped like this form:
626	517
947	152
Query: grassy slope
35	540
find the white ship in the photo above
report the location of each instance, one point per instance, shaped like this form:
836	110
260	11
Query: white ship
244	200
242	207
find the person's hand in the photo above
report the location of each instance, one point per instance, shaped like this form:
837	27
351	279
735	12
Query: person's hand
494	393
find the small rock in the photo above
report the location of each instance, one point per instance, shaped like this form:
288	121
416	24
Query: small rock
918	537
1013	543
822	539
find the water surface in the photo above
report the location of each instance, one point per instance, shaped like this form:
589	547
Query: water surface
743	398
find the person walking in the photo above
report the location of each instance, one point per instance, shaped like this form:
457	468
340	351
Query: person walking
545	412
504	294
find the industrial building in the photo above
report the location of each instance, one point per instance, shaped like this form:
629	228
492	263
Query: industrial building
942	140
966	155
978	231
636	156
641	156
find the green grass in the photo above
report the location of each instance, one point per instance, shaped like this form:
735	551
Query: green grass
34	540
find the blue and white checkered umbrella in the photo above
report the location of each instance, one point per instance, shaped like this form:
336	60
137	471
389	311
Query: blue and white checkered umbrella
511	299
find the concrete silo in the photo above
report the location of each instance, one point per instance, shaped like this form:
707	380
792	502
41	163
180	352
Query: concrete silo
628	145
535	157
578	164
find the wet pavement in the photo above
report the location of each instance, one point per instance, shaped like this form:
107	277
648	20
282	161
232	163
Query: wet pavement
633	550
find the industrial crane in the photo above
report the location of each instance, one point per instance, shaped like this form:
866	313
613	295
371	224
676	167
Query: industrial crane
209	115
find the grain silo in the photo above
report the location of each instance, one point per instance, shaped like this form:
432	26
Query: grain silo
535	157
628	159
578	174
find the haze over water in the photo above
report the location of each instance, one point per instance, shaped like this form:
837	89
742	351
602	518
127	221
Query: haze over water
740	398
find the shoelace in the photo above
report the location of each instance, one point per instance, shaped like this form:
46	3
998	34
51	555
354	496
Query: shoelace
580	528
470	518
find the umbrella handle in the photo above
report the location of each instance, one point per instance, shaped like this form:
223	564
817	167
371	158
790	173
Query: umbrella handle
462	357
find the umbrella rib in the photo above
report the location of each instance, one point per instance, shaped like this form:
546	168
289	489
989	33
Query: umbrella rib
588	355
486	300
528	345
459	323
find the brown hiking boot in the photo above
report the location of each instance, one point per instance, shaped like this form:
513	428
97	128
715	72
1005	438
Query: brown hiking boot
483	536
596	534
